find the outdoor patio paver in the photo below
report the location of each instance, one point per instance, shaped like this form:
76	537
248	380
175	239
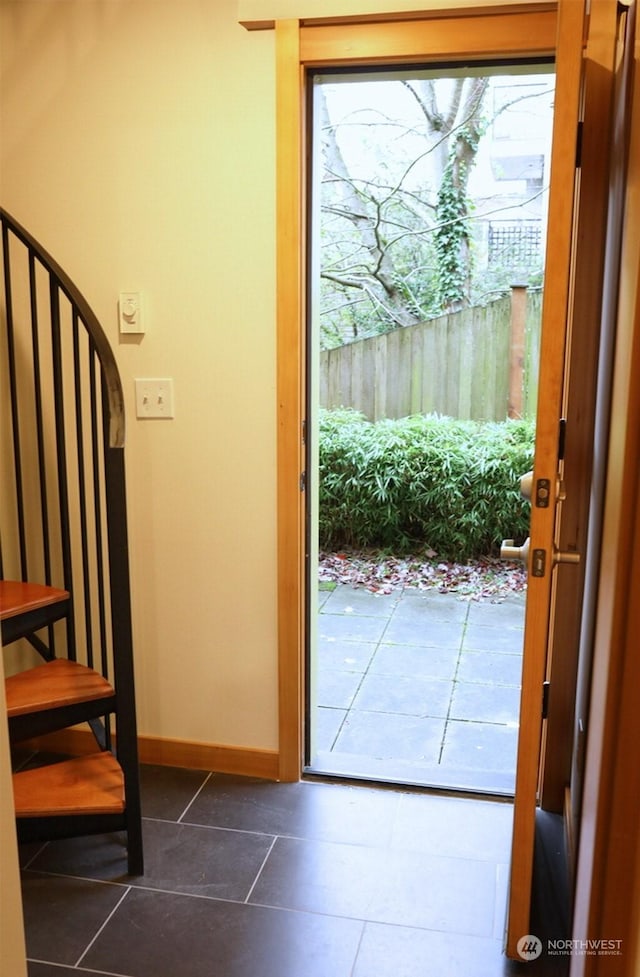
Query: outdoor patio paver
347	654
328	724
508	613
481	637
404	694
415	660
390	736
485	703
485	746
351	627
437	607
348	600
423	630
337	688
488	667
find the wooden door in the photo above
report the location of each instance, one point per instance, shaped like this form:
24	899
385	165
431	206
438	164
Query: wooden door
605	84
607	891
545	495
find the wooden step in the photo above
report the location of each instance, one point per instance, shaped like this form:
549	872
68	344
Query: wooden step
54	685
27	607
19	597
91	784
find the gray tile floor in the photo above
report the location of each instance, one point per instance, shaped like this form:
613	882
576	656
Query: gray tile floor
246	878
418	687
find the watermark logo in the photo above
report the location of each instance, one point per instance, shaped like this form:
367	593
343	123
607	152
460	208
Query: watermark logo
581	948
529	947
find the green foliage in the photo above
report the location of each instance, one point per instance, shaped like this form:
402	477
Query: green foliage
450	486
452	239
498	279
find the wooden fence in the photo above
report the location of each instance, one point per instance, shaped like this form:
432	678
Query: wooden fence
478	364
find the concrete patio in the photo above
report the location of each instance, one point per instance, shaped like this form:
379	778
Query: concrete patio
418	687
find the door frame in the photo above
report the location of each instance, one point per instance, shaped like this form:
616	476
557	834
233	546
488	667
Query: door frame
510	34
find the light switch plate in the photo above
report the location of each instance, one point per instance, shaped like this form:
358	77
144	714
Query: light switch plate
154	397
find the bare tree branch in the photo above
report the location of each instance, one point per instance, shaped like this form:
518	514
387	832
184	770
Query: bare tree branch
381	221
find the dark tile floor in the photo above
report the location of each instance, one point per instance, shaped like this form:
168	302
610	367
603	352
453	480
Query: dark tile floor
418	687
246	878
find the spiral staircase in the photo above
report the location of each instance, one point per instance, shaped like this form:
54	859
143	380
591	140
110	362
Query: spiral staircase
65	611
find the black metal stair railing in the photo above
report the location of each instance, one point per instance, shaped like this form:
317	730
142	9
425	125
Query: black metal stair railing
62	491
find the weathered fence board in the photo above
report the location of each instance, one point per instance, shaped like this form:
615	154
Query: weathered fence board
458	365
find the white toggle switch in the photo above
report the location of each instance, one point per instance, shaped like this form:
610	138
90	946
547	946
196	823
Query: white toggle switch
154	397
130	312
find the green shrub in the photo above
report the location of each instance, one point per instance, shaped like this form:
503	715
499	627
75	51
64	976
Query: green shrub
450	486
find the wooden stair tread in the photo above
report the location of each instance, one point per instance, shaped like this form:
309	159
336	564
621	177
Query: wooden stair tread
53	685
18	597
91	784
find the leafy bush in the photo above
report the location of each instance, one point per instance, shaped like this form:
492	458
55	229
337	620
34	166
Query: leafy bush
450	486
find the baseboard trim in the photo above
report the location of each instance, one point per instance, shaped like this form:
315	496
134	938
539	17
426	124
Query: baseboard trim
205	756
170	753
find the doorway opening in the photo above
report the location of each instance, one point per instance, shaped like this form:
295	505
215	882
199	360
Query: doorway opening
428	204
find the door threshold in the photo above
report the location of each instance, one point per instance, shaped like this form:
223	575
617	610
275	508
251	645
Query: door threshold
347	766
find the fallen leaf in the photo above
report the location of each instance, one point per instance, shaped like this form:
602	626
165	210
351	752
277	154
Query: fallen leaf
488	578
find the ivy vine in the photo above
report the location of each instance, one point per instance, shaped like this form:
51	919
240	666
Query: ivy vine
452	212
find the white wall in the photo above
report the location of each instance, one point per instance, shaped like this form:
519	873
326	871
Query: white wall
138	147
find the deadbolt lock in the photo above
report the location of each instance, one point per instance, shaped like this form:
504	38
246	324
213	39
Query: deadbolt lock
542	490
526	485
543	493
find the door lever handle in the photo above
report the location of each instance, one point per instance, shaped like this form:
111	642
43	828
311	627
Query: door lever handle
509	551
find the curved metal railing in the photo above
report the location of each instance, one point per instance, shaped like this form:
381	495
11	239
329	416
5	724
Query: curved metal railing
62	481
